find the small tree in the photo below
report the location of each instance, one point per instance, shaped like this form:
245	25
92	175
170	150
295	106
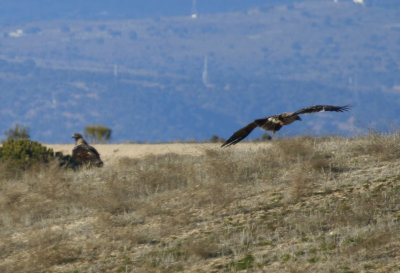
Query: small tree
266	137
215	139
97	133
19	132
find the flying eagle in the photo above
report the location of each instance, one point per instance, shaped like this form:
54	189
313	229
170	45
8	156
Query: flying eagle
83	154
275	123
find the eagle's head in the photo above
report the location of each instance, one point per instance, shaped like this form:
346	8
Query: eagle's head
77	136
78	139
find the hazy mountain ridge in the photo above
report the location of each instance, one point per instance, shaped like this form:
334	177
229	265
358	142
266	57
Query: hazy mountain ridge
143	77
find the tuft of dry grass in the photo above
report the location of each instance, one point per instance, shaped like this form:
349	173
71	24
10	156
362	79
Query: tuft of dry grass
292	205
384	147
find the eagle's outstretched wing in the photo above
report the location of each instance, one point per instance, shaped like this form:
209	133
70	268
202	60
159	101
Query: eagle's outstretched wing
240	134
322	108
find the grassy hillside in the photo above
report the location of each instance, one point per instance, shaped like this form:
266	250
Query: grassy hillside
291	205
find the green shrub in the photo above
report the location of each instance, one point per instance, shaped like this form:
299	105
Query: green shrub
22	154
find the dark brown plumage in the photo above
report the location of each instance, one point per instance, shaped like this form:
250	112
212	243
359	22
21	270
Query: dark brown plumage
275	123
85	155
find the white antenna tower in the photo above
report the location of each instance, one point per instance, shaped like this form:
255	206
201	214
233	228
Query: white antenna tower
204	75
194	10
116	70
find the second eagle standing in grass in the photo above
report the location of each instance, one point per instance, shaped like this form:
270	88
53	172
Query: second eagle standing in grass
85	155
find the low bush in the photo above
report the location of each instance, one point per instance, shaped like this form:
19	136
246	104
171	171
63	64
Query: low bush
23	154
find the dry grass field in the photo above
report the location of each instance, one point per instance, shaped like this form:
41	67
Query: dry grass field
290	205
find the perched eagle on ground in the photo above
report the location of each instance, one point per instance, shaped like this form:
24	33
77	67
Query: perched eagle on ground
274	123
83	154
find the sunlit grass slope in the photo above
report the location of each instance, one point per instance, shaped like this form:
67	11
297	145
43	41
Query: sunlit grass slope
292	205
